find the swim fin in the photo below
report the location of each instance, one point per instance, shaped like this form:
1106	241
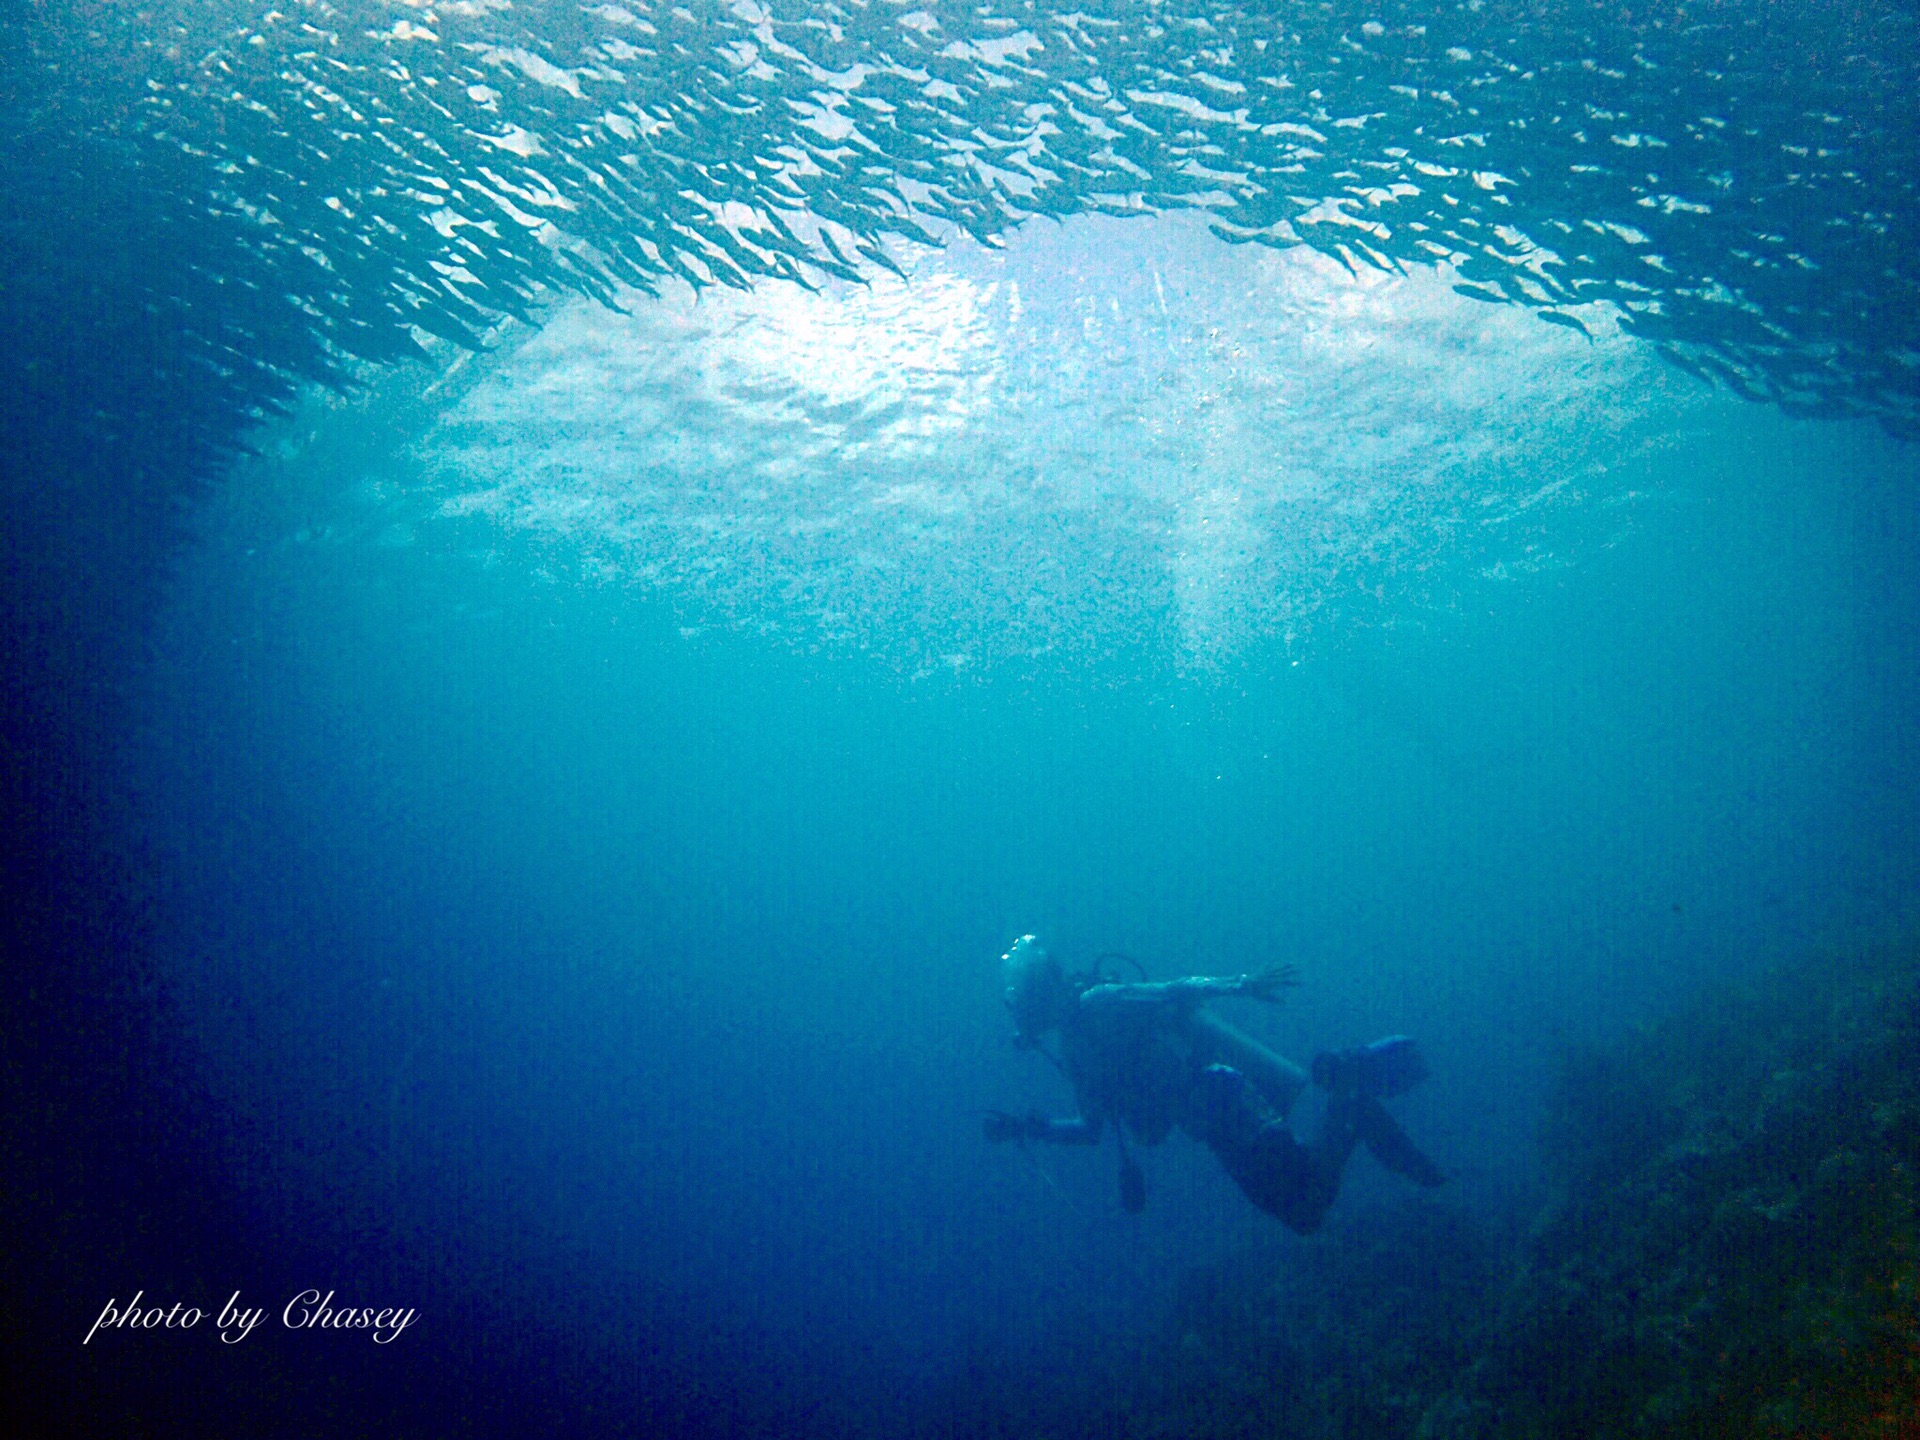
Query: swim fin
1378	1071
1388	1144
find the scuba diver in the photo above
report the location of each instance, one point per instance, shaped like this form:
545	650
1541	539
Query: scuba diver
1149	1057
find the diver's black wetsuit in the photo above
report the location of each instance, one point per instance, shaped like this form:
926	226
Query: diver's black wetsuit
1149	1058
1298	1183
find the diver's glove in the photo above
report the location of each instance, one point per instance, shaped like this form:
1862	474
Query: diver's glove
1378	1071
1000	1127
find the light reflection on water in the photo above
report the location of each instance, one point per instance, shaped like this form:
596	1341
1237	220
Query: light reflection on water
1106	430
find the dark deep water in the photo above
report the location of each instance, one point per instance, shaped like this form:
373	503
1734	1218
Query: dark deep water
531	844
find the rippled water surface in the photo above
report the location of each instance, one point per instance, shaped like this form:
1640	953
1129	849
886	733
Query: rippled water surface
1732	180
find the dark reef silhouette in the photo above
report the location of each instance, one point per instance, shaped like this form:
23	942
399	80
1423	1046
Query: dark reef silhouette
1728	1247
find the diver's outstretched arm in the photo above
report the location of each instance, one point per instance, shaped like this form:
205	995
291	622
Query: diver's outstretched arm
1190	992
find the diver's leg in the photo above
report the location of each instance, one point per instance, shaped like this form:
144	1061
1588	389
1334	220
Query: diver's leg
1279	1080
1294	1183
1327	1155
1357	1080
1379	1071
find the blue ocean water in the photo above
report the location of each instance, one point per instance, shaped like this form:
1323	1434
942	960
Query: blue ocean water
527	832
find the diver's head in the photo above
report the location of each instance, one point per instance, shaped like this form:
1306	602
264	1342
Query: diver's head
1038	992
